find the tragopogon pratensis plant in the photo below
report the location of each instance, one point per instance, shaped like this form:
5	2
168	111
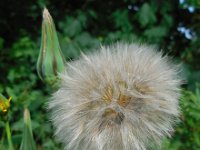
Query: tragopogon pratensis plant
123	97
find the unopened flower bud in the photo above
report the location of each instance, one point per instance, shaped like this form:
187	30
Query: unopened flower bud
50	60
28	142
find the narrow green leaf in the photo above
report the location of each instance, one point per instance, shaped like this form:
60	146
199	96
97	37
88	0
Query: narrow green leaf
10	145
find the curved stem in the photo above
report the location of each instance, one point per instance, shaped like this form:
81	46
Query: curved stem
7	126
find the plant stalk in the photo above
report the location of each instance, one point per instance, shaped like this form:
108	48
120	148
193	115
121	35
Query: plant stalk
10	144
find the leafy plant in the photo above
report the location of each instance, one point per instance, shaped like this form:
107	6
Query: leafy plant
173	26
187	135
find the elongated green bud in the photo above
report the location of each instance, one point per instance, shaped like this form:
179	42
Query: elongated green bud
51	60
28	142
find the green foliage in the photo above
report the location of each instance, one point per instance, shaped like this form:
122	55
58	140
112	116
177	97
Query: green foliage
19	80
187	135
170	25
75	38
146	15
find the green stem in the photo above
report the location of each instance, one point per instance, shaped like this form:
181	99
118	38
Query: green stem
9	136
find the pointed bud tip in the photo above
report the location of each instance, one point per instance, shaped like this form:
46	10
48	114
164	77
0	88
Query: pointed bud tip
26	115
50	60
46	13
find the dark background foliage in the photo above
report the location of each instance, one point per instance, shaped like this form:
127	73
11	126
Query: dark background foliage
170	25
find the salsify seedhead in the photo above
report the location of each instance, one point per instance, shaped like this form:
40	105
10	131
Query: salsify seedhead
123	97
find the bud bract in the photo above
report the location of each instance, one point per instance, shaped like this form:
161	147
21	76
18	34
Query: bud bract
51	60
28	142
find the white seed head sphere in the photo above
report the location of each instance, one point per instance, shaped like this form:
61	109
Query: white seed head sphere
123	97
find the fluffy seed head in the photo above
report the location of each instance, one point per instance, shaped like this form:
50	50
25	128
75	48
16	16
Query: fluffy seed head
123	97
